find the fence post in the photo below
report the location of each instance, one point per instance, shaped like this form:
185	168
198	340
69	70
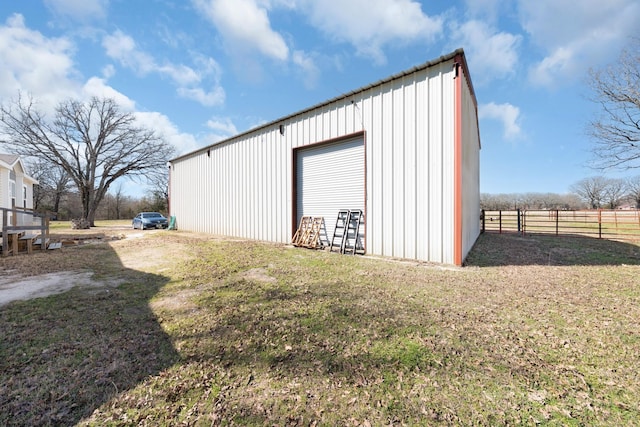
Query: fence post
599	223
484	221
500	221
519	225
557	220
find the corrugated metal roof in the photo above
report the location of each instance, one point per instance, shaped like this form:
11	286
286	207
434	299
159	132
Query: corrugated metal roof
393	77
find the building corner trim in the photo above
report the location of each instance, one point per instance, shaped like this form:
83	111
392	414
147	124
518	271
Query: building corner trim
457	161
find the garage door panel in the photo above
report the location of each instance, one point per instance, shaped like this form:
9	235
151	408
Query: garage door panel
330	177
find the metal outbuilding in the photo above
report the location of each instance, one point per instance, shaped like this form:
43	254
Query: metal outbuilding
405	150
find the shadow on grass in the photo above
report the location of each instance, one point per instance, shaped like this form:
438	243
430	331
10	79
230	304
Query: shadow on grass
63	356
277	343
493	249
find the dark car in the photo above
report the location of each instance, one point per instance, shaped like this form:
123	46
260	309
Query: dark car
146	220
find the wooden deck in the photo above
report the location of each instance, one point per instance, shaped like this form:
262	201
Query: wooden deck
23	230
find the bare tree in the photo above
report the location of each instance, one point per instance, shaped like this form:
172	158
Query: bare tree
94	142
616	132
118	199
633	190
497	201
159	186
530	201
54	183
591	190
614	193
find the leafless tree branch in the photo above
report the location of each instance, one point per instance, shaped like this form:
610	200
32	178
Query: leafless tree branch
616	131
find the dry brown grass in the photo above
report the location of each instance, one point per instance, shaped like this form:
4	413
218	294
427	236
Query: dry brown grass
531	331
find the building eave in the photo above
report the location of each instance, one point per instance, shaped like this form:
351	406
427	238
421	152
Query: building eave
9	161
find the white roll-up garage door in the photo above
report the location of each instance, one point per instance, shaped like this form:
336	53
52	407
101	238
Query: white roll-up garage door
330	178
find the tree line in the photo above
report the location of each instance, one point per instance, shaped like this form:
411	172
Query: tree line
596	192
66	204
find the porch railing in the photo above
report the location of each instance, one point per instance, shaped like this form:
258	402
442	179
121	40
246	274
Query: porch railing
23	220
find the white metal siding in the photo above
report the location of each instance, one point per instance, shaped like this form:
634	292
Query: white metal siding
470	171
330	178
410	145
244	187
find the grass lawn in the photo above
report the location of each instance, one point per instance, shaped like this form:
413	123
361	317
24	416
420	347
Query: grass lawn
205	331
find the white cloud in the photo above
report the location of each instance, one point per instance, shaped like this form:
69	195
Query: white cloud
491	54
507	114
108	71
208	99
488	10
181	74
221	128
122	48
575	38
96	86
308	68
160	123
223	125
35	65
371	25
79	10
184	142
559	63
245	26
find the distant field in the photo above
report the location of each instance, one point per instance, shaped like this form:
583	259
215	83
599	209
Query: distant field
606	224
66	225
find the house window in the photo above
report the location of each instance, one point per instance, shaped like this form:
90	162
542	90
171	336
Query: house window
12	192
24	196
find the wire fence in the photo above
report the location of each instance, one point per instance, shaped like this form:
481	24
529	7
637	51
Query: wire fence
601	224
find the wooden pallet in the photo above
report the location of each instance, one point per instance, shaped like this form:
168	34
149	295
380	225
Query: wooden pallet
308	233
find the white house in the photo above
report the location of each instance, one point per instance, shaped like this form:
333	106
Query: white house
16	186
404	150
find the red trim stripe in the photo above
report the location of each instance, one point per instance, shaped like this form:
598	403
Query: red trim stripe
457	168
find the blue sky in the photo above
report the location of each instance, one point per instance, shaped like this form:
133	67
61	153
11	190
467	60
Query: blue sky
203	70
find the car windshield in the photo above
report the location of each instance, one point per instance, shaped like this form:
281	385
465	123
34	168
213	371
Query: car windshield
152	215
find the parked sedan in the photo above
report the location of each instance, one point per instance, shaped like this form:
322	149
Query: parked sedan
146	220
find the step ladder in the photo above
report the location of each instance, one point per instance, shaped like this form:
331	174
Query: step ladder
340	231
353	232
347	230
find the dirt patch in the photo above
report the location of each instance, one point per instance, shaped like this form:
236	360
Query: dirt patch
181	301
13	289
25	276
257	275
